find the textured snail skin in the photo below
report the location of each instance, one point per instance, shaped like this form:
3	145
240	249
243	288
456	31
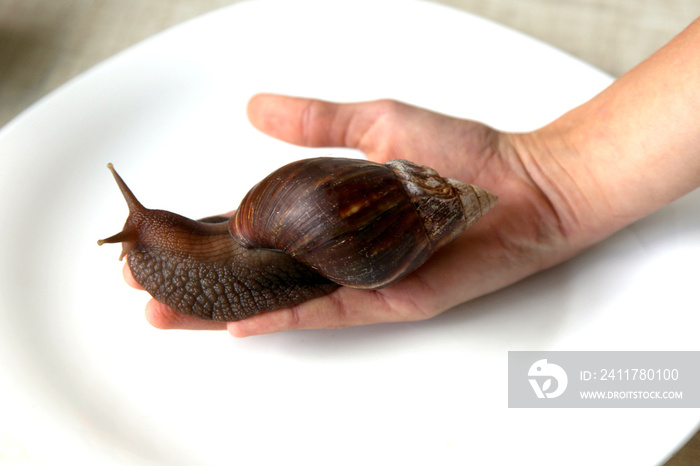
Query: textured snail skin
307	228
218	279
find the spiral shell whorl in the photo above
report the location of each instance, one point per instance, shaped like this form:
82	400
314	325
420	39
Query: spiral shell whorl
446	206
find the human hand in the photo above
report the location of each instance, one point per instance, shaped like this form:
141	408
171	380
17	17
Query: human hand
630	150
520	236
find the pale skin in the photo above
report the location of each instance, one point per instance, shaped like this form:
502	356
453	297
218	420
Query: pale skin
630	150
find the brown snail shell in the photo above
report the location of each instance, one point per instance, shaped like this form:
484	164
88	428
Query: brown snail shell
308	227
359	223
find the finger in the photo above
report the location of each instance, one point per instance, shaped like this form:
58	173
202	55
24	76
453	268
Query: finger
162	317
345	307
326	312
315	123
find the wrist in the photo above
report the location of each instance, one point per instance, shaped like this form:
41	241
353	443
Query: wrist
553	158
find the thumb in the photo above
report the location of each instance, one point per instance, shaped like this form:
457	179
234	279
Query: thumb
312	122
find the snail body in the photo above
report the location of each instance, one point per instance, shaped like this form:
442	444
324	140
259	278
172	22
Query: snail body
301	232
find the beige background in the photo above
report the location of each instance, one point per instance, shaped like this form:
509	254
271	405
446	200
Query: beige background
44	43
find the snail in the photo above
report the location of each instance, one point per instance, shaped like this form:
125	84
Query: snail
300	233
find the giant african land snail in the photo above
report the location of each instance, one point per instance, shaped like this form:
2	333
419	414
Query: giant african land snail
307	228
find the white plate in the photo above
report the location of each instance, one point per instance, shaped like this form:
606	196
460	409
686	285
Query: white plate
85	378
